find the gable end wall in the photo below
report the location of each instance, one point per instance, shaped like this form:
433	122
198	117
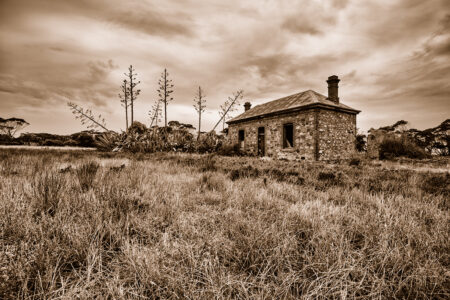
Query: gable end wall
337	134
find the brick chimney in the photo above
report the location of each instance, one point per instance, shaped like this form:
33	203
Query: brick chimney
247	105
333	88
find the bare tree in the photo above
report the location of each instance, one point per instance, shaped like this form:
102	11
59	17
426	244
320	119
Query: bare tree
155	113
132	92
12	125
199	105
229	104
124	99
87	117
164	91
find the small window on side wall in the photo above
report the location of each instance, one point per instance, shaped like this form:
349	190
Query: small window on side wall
288	135
241	135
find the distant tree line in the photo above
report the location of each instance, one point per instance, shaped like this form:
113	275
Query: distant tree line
79	139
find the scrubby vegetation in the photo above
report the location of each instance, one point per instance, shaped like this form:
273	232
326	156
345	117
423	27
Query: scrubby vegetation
397	140
395	147
188	226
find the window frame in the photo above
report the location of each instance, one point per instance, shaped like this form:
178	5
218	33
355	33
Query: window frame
284	143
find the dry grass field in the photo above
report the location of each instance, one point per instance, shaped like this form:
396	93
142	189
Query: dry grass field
82	225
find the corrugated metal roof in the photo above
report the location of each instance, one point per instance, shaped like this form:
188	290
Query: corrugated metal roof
291	102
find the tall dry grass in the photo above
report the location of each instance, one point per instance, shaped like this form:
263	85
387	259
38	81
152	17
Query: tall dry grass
208	227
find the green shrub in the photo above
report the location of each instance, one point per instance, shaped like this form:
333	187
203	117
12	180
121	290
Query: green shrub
396	147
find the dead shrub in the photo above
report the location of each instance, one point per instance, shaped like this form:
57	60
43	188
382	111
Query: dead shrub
86	175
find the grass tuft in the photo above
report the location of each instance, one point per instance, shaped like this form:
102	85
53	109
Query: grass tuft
86	175
47	189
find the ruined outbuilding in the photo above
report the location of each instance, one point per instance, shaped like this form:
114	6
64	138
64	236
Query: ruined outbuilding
304	126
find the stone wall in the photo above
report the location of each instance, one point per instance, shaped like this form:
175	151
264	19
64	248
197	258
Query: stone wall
318	134
303	135
337	134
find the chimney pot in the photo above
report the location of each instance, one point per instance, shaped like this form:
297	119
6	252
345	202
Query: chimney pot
247	106
333	88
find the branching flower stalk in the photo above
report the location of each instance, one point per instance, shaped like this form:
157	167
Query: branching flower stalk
124	99
164	91
132	92
200	106
232	101
87	117
155	113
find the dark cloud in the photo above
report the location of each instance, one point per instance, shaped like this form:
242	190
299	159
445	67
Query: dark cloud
312	18
298	24
135	15
439	42
153	22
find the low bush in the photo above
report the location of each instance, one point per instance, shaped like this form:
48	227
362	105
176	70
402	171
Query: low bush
437	184
49	142
326	176
396	147
6	139
70	143
84	139
208	143
229	150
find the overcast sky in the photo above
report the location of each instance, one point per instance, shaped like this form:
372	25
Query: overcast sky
393	57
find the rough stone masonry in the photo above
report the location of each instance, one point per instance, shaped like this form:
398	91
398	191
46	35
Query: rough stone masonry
303	126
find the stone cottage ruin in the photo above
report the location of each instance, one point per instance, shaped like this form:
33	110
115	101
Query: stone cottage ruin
306	125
